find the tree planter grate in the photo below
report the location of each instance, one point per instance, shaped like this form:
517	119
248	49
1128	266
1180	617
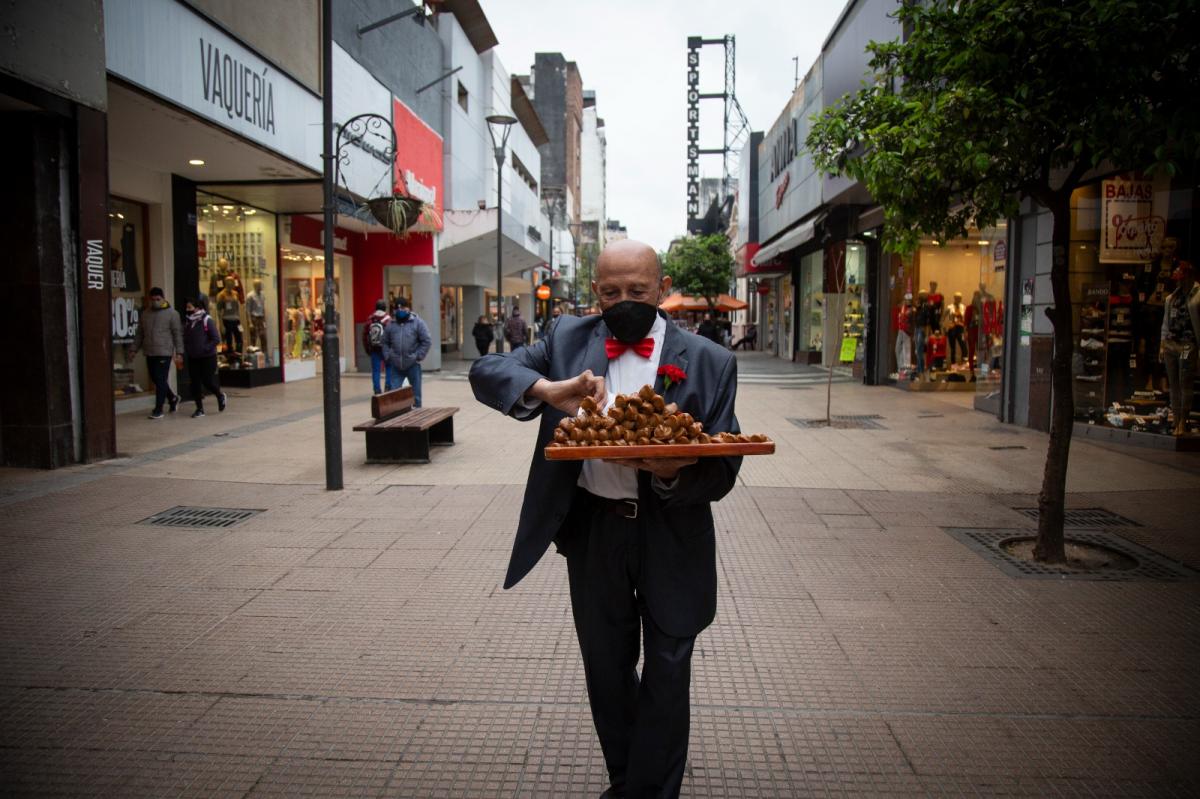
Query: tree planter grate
182	516
1089	518
1151	565
861	422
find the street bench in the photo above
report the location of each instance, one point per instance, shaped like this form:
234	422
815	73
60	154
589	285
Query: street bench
399	433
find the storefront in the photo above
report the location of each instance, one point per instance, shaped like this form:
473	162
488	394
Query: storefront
1129	234
128	247
236	253
945	314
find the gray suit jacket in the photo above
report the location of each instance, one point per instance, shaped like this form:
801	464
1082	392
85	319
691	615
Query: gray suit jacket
679	577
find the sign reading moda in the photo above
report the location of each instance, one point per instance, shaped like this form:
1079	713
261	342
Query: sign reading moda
171	51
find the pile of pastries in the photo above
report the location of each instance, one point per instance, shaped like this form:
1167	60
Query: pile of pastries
640	419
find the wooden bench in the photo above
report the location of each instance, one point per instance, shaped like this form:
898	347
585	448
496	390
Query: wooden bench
400	433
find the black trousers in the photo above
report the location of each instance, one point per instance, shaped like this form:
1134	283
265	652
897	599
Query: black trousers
233	334
203	372
159	367
958	344
642	720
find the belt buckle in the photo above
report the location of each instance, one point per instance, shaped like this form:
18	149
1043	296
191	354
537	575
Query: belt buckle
627	508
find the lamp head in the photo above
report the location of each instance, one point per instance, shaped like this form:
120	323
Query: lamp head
499	126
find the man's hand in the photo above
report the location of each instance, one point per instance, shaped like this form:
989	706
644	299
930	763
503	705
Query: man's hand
178	360
567	394
662	468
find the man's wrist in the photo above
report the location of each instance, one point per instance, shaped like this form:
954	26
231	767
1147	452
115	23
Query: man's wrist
537	391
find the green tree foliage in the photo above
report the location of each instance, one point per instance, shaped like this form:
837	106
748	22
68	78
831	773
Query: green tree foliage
989	101
701	266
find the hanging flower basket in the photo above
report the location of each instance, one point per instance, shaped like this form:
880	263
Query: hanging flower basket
397	213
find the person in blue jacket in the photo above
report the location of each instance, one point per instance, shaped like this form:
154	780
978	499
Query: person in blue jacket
406	342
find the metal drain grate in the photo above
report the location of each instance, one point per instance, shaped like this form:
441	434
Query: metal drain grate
1151	565
862	422
183	516
1086	517
1009	446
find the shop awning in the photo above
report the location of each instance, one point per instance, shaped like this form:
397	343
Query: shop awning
681	303
798	235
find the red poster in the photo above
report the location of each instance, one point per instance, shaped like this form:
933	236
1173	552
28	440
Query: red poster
418	161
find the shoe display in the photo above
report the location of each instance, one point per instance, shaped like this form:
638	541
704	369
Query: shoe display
221	401
1091	344
196	414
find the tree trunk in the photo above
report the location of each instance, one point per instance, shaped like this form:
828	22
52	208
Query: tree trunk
1051	501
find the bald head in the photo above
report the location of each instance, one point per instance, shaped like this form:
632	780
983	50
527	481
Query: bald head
626	253
629	270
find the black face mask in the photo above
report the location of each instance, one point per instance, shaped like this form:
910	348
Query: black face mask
629	321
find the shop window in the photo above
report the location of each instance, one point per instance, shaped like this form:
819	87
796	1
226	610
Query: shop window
947	319
127	242
462	96
304	304
236	246
1129	234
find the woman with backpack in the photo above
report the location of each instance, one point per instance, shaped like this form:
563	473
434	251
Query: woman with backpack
200	340
372	341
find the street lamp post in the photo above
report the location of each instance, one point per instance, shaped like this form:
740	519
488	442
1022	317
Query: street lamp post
499	126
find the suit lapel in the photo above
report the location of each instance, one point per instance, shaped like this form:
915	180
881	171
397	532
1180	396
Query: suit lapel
595	358
674	352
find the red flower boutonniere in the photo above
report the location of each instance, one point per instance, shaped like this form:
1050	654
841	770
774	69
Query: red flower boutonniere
671	373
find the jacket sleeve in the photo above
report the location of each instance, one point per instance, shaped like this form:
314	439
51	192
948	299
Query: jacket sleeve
210	332
501	380
387	340
709	479
424	342
177	332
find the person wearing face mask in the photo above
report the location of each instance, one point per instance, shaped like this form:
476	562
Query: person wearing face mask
406	342
160	335
638	536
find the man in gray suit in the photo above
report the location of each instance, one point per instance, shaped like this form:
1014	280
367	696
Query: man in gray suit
637	535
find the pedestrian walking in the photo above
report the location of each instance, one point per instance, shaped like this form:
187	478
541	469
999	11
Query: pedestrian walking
406	342
514	330
160	336
200	340
482	333
372	341
708	328
638	535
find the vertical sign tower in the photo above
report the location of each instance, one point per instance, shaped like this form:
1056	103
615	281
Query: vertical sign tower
736	128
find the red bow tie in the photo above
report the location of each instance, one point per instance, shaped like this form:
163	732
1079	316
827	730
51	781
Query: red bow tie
614	348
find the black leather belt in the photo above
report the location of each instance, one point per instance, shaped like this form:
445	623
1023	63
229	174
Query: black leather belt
625	508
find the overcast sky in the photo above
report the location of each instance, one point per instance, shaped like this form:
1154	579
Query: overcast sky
634	55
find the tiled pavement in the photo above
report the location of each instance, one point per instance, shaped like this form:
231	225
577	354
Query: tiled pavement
358	643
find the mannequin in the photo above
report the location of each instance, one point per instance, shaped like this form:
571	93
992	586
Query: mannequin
921	323
1152	282
936	300
937	350
216	283
1180	335
256	311
954	323
903	322
230	308
972	319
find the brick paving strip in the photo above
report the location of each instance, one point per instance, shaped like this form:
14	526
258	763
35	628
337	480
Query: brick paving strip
358	643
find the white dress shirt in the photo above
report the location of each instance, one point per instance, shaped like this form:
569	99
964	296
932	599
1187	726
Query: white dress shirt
626	374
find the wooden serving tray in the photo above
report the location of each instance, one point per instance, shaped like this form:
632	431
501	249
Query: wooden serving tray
659	451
